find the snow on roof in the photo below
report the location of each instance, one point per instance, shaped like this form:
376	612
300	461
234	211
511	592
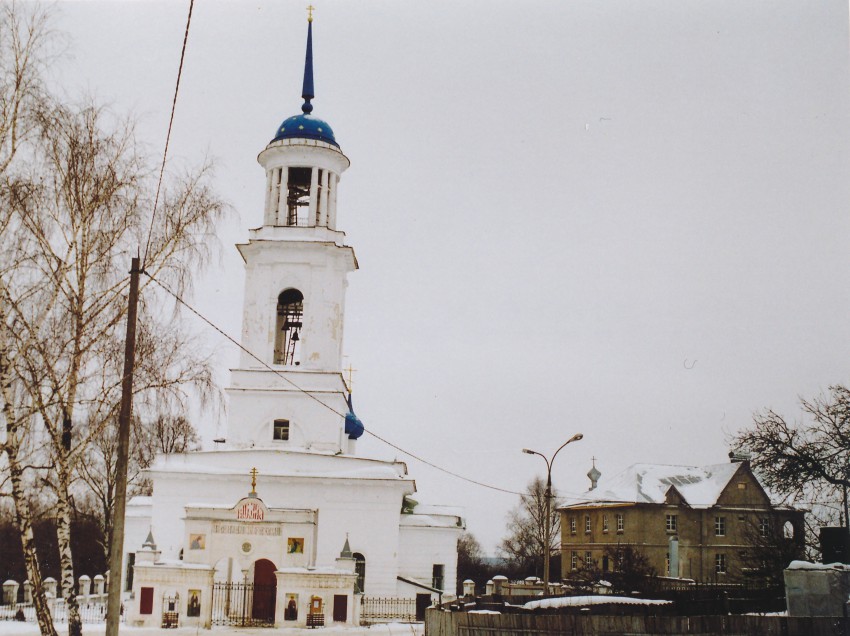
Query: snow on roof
581	601
806	565
429	521
649	483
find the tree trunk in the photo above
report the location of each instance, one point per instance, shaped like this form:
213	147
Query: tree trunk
23	521
66	559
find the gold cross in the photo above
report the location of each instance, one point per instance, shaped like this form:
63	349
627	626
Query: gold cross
310	9
254	472
350	384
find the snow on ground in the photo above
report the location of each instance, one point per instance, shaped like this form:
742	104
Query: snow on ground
570	601
12	628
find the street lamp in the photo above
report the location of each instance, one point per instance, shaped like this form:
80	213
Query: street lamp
548	522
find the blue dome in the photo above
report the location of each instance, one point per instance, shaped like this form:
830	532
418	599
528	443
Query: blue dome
305	127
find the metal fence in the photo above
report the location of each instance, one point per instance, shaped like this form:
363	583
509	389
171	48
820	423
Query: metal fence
243	604
382	610
90	611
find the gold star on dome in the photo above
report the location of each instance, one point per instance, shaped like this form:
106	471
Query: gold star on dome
319	129
300	127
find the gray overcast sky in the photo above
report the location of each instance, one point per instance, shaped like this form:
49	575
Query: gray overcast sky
622	218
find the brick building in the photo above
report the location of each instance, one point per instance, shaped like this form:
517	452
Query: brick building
690	522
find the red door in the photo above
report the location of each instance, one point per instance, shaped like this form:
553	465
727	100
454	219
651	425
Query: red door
340	608
265	591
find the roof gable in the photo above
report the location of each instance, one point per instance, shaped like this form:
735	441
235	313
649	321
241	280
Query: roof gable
698	486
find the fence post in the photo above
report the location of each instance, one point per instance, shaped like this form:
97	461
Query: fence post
99	585
10	593
84	586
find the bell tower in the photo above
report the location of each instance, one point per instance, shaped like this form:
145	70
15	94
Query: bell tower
296	265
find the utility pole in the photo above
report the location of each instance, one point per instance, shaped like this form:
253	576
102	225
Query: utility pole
116	544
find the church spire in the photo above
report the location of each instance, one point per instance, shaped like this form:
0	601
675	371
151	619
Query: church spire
307	91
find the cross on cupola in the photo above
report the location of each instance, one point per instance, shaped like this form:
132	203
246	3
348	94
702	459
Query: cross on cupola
254	472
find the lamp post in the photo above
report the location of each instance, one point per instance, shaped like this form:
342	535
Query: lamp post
547	526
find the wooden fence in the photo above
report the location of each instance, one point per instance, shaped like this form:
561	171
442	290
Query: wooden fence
442	623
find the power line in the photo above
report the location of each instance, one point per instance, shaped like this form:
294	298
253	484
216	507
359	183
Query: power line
232	340
168	134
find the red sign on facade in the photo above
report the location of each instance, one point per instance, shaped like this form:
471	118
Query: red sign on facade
250	511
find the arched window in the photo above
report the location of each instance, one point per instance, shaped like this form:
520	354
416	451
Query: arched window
290	306
360	570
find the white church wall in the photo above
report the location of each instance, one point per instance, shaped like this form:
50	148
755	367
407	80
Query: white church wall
421	547
367	510
317	270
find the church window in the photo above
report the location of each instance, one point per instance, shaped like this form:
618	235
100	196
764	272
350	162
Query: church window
587	525
671	523
604	523
131	561
298	196
321	198
621	522
360	570
438	576
588	559
764	526
788	530
281	430
574	561
572	525
290	307
720	526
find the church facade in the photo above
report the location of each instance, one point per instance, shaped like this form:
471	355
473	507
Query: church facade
284	523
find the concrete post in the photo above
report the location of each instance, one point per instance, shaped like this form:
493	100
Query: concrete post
99	585
27	592
469	587
489	588
84	586
10	592
50	586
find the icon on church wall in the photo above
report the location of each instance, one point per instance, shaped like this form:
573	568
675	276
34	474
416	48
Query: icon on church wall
197	541
194	606
290	612
295	545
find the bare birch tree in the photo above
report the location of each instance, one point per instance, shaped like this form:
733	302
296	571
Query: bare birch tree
86	214
23	54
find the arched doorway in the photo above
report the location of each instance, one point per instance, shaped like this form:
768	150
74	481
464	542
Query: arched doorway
265	591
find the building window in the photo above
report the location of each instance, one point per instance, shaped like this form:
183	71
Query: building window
290	309
667	564
764	526
742	485
587	524
574	561
604	523
572	525
621	522
360	570
605	564
438	576
720	526
672	523
720	564
131	561
588	559
281	430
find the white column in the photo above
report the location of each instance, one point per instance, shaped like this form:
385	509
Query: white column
332	184
283	185
269	213
323	204
314	187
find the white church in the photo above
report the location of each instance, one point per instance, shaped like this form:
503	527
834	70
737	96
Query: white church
283	524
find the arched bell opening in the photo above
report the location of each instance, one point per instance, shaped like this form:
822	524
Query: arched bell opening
290	309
